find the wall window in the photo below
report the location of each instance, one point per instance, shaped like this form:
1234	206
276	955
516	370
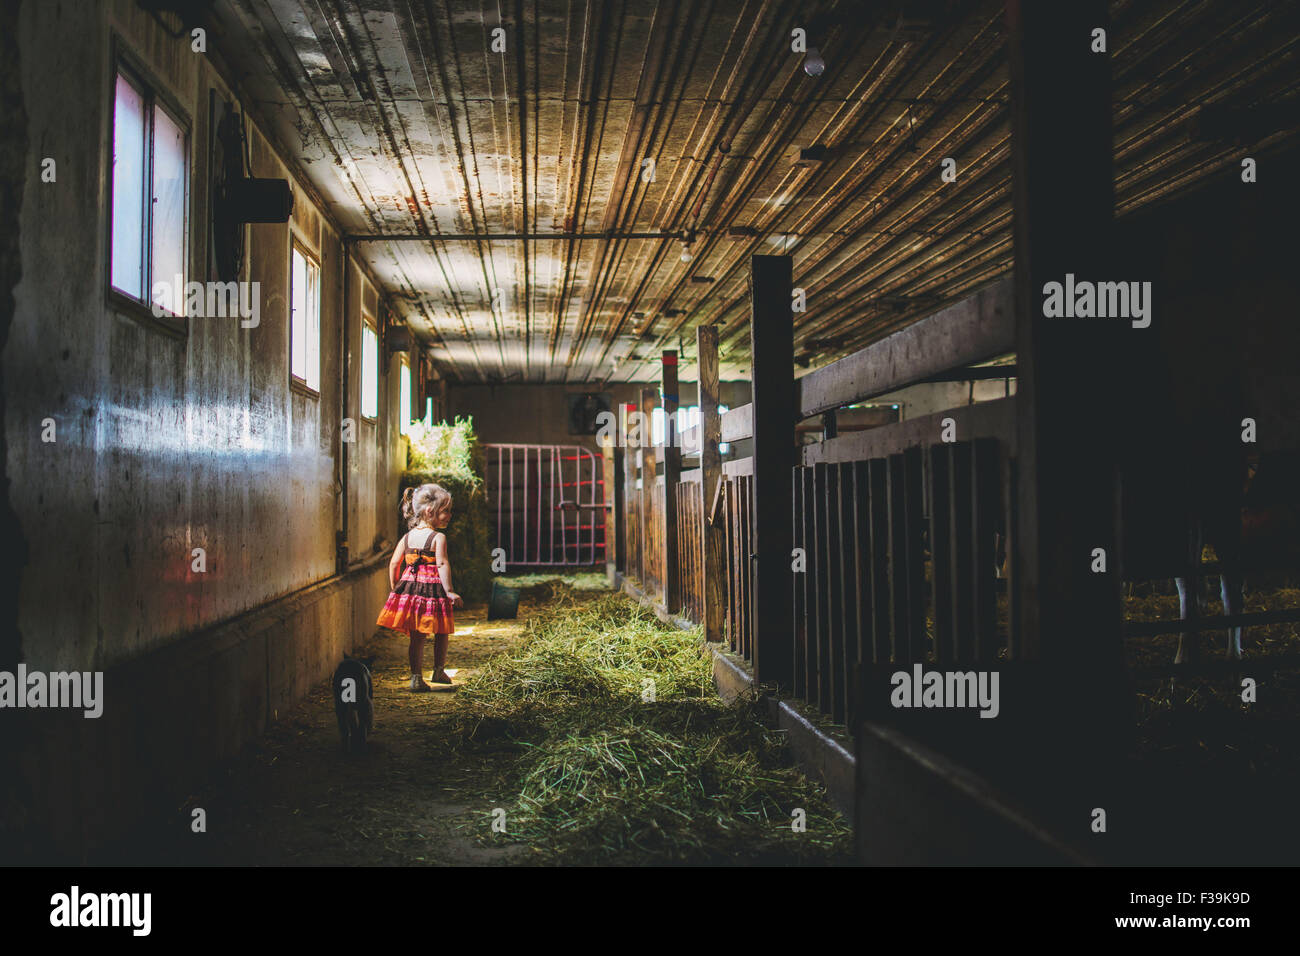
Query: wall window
404	396
304	319
150	162
369	371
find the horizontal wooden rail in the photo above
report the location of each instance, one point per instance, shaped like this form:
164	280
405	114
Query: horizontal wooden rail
1217	667
1209	623
738	423
973	330
741	466
691	476
995	419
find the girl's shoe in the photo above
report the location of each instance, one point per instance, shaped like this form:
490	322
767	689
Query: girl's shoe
418	686
440	677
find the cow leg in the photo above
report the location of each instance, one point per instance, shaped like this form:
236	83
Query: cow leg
1230	587
1189	642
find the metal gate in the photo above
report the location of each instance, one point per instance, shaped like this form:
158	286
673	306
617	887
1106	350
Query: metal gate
549	503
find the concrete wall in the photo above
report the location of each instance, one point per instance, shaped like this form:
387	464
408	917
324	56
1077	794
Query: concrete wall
168	441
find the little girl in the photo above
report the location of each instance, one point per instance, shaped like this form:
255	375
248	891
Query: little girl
422	599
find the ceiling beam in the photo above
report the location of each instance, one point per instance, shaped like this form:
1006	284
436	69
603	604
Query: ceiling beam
682	236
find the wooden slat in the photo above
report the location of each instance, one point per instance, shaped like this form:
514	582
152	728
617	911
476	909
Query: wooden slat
808	499
746	571
840	608
672	457
728	517
914	503
961	524
741	466
973	330
631	499
738	423
713	537
986	488
995	419
857	581
881	530
649	398
819	645
798	581
941	549
618	514
717	510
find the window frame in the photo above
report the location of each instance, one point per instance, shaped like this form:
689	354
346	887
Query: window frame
370	324
404	401
123	62
297	382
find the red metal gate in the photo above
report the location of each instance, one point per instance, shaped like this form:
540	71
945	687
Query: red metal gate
549	503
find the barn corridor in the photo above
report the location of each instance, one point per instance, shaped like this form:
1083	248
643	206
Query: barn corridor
910	385
293	797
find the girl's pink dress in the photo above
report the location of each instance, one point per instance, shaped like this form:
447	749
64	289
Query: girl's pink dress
419	602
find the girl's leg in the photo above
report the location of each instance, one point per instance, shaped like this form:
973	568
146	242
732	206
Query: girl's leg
415	655
440	642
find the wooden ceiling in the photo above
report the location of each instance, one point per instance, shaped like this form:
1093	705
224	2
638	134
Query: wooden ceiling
410	124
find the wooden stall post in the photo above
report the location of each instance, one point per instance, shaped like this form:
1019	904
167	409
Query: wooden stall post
710	432
649	399
772	346
1063	209
631	504
609	487
672	474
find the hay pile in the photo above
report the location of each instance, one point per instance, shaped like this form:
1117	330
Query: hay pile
597	774
1200	722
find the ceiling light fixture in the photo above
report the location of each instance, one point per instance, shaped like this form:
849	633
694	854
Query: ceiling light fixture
686	251
813	64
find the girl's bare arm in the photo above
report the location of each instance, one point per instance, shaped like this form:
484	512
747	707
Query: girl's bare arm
444	566
395	564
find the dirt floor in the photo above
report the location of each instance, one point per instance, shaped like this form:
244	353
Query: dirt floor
295	798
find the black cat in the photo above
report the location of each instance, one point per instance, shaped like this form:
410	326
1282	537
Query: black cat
354	701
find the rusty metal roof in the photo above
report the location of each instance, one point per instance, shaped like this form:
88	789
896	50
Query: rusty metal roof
410	121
